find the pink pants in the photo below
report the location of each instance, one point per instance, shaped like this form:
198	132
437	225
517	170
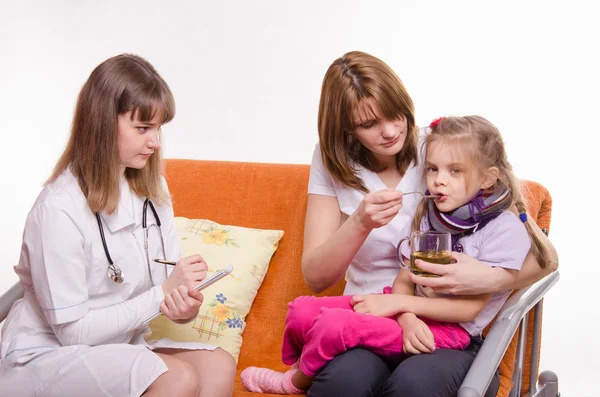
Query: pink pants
318	329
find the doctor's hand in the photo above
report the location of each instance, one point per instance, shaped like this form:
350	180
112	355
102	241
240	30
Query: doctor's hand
188	272
182	304
377	209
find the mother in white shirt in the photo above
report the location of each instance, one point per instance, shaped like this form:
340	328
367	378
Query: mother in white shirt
367	156
87	266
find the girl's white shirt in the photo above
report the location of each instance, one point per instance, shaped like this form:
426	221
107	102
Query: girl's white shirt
503	242
375	265
63	269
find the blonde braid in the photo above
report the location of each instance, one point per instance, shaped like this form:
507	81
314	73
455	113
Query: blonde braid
421	211
537	247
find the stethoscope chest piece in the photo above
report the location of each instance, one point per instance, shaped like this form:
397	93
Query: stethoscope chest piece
116	275
114	272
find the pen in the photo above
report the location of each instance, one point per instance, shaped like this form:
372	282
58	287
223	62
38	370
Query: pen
165	262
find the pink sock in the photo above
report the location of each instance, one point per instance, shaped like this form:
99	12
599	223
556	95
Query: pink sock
263	380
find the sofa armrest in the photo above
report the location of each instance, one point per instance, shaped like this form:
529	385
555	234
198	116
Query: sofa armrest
496	342
8	298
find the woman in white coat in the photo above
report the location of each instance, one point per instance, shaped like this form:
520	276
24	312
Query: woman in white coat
87	263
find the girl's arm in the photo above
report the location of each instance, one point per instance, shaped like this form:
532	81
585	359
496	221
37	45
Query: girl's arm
402	301
402	284
417	338
452	309
531	271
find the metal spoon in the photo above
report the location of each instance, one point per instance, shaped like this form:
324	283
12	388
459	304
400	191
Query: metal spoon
427	196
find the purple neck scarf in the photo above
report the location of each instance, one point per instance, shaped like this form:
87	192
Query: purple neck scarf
472	216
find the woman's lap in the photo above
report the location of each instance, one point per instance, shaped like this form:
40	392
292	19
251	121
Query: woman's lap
438	374
356	373
362	373
107	370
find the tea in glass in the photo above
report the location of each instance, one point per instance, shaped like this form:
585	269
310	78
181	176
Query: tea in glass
430	246
439	257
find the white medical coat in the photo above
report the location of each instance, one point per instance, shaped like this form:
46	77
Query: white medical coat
64	270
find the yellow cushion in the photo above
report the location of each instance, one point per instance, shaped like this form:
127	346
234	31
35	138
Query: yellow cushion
221	319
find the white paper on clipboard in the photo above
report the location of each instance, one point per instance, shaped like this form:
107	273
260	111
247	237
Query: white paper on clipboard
205	283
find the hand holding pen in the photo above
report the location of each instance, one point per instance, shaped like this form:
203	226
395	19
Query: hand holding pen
189	271
195	294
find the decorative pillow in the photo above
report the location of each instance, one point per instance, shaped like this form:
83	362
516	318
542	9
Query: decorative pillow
221	319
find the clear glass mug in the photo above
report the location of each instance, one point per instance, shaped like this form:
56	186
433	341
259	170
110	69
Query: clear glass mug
429	246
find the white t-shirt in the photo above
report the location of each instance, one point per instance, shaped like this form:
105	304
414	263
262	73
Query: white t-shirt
375	265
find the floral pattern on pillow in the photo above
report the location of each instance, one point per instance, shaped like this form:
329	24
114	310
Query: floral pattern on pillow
221	319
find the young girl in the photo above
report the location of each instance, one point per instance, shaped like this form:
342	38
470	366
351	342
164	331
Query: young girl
87	260
467	169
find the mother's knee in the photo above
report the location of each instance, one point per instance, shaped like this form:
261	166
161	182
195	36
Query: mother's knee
406	382
357	372
437	374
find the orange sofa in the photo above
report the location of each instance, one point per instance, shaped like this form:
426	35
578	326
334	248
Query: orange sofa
274	196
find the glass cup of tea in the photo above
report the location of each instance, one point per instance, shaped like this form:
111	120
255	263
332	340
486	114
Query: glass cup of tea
430	246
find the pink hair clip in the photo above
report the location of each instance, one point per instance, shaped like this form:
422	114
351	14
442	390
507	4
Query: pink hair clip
435	122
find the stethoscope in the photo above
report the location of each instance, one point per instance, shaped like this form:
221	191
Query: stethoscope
114	272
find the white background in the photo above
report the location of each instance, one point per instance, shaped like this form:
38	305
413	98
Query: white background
246	77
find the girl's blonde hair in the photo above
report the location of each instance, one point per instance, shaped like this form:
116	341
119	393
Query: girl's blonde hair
349	82
118	85
481	142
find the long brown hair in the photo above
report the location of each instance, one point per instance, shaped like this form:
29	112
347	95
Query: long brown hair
481	142
118	85
348	83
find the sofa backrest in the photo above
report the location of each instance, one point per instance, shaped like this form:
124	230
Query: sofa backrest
274	196
263	196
